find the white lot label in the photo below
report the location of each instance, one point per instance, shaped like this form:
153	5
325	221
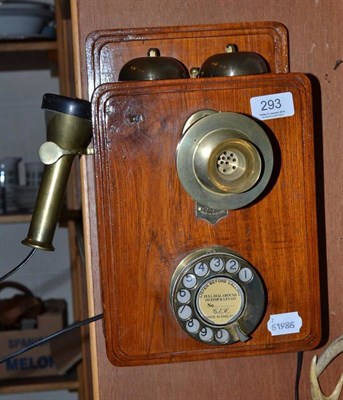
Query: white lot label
272	106
284	324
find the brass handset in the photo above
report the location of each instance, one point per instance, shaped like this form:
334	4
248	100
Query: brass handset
69	128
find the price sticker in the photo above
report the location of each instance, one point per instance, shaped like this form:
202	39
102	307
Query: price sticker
284	324
272	106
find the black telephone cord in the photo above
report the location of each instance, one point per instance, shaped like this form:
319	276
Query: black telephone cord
300	356
54	335
18	267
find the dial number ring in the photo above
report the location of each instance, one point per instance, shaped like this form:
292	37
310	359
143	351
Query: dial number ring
220	288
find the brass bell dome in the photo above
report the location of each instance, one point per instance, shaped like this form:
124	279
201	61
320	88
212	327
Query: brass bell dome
233	63
153	67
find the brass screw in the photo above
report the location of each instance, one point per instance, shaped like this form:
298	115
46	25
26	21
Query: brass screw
230	48
194	72
153	52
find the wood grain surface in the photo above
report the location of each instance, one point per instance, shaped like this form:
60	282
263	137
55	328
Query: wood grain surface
147	222
315	48
109	50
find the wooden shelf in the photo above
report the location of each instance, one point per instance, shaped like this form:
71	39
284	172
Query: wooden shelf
14	218
66	215
39	384
28	45
56	55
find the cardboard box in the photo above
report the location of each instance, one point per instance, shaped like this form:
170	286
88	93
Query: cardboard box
39	361
66	351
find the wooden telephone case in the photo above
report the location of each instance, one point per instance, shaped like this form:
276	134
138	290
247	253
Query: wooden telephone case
146	220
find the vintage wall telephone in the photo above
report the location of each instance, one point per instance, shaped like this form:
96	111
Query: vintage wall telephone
204	181
205	192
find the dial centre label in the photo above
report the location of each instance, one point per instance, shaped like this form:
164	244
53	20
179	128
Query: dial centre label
220	300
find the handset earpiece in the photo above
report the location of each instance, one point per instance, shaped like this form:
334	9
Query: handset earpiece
69	129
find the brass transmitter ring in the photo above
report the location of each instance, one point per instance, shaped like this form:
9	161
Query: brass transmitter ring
224	159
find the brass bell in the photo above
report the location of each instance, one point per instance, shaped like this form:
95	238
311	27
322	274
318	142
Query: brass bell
153	67
233	63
